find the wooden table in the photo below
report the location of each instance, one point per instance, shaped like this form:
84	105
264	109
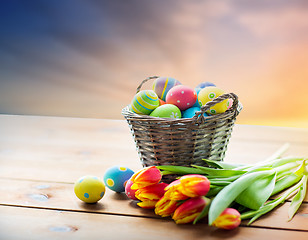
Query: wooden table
41	158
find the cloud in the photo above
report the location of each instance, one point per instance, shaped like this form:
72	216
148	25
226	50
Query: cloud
287	22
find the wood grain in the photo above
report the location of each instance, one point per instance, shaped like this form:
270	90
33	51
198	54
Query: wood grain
60	196
41	158
45	224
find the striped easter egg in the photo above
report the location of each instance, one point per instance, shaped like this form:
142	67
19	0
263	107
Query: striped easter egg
162	85
144	102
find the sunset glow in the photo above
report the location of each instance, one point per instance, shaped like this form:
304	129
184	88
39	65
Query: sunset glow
86	58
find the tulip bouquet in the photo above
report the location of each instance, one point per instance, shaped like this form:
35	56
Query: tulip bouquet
224	193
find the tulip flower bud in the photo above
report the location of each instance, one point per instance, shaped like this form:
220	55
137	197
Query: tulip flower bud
190	210
173	191
150	195
188	186
194	185
146	177
165	207
229	219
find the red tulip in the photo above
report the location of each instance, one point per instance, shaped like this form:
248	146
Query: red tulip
150	195
173	191
146	177
229	219
165	207
192	185
190	210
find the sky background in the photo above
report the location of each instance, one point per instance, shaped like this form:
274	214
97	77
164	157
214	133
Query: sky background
86	58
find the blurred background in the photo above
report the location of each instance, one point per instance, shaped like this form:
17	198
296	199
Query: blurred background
83	58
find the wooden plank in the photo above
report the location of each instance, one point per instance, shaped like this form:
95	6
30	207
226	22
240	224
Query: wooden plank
27	223
69	163
35	148
61	196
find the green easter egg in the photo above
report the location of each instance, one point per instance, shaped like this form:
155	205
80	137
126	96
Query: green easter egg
167	111
144	102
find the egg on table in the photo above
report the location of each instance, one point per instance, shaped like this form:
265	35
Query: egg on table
182	96
208	94
89	189
167	111
116	177
130	193
144	102
162	85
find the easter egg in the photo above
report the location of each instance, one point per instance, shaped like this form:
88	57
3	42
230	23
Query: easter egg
162	85
208	94
205	84
167	111
230	103
89	189
130	193
116	177
144	102
161	102
190	112
182	96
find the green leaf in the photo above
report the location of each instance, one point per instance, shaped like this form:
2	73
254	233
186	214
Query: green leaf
219	172
298	198
290	180
229	193
257	193
179	169
271	205
203	213
222	165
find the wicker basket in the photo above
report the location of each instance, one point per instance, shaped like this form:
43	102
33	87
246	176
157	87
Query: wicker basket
186	141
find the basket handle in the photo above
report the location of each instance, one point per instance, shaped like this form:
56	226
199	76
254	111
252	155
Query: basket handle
219	99
144	81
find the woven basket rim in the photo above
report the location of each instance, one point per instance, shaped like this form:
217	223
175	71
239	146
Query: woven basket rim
198	117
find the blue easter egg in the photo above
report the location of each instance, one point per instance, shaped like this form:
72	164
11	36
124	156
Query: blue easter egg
197	104
203	85
115	178
190	112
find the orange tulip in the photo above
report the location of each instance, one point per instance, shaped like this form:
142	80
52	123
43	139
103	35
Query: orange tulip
229	219
190	210
165	207
192	185
146	177
173	191
150	195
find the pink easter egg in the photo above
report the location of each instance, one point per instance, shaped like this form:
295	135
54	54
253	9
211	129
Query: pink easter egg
129	192
182	96
230	103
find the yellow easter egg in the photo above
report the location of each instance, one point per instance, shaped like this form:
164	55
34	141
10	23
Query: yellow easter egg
207	94
89	189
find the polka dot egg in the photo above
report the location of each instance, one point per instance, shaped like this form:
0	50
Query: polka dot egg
144	102
116	177
130	193
89	189
182	96
208	94
162	85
